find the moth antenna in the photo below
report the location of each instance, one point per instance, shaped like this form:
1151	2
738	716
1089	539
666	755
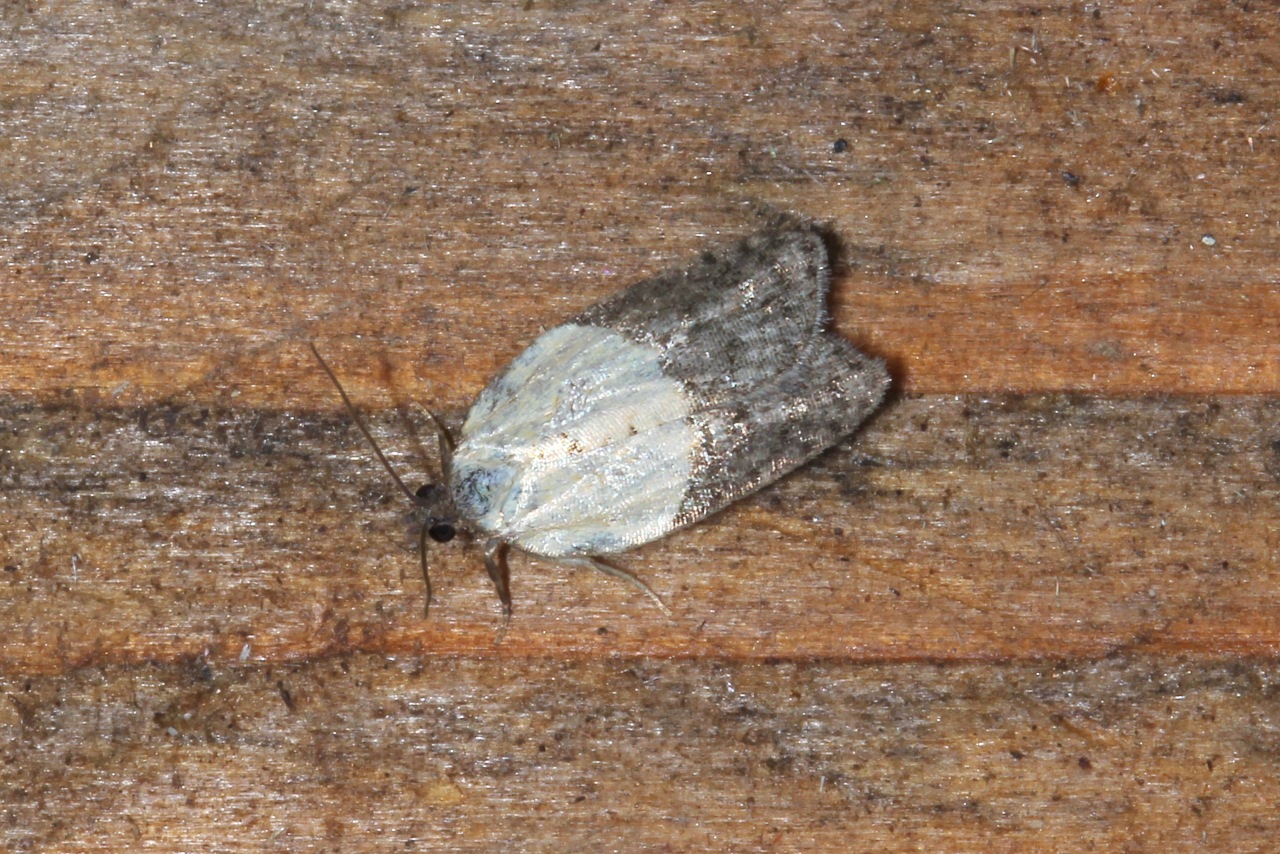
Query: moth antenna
444	443
355	416
444	439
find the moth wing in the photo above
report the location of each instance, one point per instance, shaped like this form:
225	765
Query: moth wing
581	446
753	438
717	322
744	330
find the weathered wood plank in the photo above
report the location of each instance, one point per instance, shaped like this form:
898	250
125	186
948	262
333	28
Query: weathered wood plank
213	636
1030	194
952	528
375	753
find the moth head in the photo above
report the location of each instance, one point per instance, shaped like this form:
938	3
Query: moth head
435	513
433	503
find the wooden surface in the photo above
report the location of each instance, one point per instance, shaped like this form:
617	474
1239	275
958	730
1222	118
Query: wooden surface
1033	606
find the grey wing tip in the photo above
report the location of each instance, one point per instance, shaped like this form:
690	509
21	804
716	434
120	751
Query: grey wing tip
786	220
800	247
812	238
860	376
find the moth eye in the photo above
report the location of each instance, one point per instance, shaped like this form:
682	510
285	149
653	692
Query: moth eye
442	533
425	490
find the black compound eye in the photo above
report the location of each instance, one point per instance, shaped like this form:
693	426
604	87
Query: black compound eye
442	532
425	490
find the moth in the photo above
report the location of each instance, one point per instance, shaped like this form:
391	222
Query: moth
649	411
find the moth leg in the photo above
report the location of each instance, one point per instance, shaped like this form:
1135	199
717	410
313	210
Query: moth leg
426	576
616	572
495	561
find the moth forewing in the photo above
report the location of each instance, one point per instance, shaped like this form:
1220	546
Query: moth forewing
659	406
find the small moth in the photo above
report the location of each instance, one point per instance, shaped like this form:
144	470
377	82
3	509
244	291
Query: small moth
651	410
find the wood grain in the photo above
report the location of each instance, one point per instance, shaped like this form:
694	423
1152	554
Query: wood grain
952	529
200	190
374	753
1032	606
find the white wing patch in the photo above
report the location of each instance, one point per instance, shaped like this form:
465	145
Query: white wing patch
581	446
